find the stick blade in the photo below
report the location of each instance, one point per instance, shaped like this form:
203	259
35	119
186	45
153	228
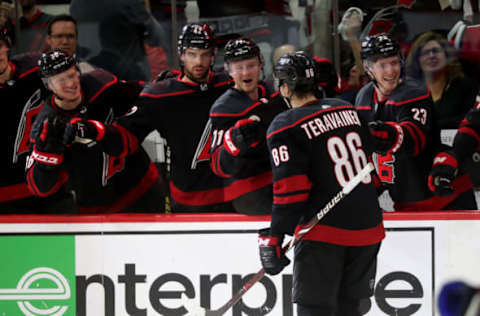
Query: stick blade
192	308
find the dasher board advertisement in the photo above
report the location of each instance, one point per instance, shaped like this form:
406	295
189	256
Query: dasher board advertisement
143	268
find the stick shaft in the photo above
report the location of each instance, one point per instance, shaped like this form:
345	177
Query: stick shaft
296	238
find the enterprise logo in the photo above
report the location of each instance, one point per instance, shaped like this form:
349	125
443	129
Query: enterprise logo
28	290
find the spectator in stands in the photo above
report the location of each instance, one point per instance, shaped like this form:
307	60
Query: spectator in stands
71	147
124	26
433	60
62	33
33	27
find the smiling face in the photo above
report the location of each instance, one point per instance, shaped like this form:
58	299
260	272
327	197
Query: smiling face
66	85
432	57
386	72
245	73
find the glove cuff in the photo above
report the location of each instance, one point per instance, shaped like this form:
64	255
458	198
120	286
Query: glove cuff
399	136
50	159
230	146
446	158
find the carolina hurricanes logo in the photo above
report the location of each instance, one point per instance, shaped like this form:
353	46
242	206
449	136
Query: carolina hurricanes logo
202	153
30	110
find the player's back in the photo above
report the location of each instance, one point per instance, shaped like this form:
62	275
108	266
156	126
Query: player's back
326	142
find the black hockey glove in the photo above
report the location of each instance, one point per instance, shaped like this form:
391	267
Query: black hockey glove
166	74
271	255
48	142
444	171
387	136
245	134
84	131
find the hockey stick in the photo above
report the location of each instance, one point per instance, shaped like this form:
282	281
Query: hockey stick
200	311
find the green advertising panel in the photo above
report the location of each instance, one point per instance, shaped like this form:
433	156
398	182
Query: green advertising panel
37	275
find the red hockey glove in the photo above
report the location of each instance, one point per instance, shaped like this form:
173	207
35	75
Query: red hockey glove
271	255
88	130
48	146
444	171
245	134
387	136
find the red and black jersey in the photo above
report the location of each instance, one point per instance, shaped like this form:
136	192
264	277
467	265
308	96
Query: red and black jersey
248	177
467	139
405	173
315	150
21	98
103	177
178	110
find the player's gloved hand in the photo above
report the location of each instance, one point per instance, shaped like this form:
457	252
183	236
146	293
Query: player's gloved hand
245	134
166	74
86	130
387	136
444	171
271	255
48	145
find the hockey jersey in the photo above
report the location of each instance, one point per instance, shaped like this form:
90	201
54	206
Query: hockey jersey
179	110
104	178
315	150
248	179
405	173
21	97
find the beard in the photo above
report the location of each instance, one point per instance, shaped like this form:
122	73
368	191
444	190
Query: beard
194	78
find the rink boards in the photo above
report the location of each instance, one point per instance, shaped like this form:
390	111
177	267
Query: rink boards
136	264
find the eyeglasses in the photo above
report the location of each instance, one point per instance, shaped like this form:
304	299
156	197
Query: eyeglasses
434	51
65	36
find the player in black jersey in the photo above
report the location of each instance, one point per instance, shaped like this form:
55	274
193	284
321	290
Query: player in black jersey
71	144
406	139
21	92
447	164
178	109
240	118
316	148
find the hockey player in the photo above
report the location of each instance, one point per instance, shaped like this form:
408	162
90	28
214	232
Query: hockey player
446	164
72	147
21	89
178	109
316	148
402	129
239	152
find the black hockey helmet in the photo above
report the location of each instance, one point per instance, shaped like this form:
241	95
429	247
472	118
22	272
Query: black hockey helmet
298	71
240	49
54	62
326	76
196	35
379	46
